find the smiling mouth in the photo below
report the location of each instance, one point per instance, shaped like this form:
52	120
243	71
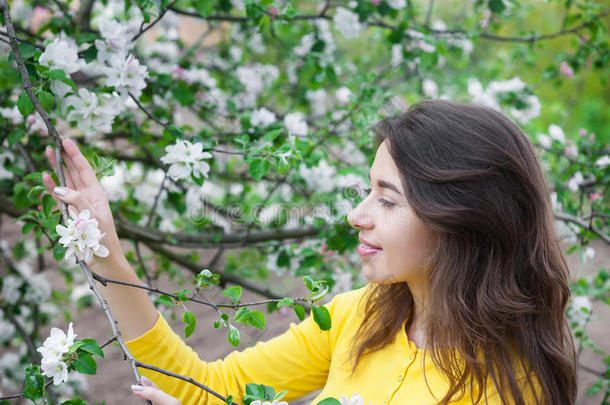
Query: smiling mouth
367	250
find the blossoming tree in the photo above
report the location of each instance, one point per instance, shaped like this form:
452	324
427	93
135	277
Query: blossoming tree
250	135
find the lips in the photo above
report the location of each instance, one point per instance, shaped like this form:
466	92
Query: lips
366	248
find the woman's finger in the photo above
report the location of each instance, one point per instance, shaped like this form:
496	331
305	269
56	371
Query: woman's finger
51	157
155	395
74	172
82	166
72	197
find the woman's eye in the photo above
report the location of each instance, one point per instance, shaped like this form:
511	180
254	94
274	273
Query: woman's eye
386	203
367	190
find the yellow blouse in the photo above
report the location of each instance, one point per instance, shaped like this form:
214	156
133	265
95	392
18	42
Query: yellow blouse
301	360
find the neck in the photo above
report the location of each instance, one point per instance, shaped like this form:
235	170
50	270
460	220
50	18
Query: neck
419	295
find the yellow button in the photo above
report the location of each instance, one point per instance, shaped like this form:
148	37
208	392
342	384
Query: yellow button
411	357
400	378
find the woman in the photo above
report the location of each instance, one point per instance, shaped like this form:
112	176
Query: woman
467	293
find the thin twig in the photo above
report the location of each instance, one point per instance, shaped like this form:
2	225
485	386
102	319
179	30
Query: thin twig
103	280
161	14
187	379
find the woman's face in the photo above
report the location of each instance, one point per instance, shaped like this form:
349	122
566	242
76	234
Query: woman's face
398	241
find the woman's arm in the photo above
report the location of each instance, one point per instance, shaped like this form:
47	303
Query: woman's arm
130	306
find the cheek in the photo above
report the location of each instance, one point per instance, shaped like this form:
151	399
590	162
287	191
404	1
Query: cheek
406	246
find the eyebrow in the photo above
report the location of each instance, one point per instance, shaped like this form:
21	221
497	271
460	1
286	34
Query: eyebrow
385	184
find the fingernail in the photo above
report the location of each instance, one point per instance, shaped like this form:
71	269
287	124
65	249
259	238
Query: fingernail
59	190
137	388
146	381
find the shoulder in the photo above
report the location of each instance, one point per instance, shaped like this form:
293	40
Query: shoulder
349	300
346	310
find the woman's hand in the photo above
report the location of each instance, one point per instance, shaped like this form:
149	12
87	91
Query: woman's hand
83	191
150	391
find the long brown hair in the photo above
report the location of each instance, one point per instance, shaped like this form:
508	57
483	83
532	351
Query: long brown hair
498	281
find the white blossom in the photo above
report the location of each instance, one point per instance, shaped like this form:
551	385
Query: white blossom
7	331
82	238
10	288
35	124
397	4
347	23
320	177
556	133
262	117
38	289
588	254
62	54
295	124
186	158
343	95
275	402
317	100
93	114
515	85
119	35
256	77
575	181
544	140
356	399
580	309
396	55
305	45
5	156
114	186
52	350
417	41
530	112
430	88
12	114
126	75
603	161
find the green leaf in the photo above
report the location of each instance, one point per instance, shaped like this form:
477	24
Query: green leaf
81	38
28	227
27	51
34	383
165	300
321	316
300	311
182	294
233	335
25	105
183	94
47	204
85	364
204	7
206	278
242	314
46	100
34	176
74	401
329	401
233	292
497	6
271	135
256	390
254	318
59	252
190	321
91	346
55	74
285	302
258	168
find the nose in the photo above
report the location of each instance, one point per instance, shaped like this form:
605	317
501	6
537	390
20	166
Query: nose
359	218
